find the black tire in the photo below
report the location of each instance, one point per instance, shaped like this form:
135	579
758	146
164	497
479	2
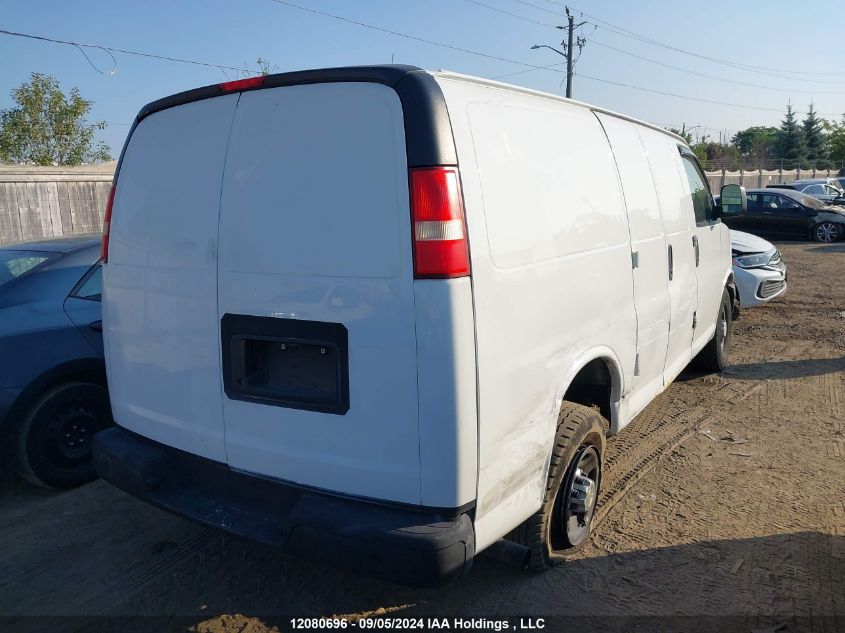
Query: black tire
714	356
54	439
580	430
826	232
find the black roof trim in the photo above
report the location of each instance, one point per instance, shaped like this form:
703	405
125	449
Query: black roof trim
428	130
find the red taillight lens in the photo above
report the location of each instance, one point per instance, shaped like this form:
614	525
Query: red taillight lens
104	249
241	84
437	213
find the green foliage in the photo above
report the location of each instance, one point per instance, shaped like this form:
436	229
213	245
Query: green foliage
700	150
46	127
790	143
684	134
836	140
758	142
814	138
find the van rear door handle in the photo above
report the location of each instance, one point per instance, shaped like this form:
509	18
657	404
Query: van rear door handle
671	264
695	246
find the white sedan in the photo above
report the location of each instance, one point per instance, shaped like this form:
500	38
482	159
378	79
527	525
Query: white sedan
759	271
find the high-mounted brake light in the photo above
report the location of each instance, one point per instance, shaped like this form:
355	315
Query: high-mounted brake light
437	213
242	84
104	248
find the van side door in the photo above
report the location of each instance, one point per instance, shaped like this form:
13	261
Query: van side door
648	258
706	242
663	159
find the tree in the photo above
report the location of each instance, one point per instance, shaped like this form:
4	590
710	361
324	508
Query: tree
790	144
700	149
814	138
684	134
836	141
756	143
46	127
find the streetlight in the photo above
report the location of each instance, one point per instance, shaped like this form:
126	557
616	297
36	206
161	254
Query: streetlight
552	48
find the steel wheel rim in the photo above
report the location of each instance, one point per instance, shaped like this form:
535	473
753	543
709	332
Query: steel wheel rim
69	435
827	232
722	328
579	495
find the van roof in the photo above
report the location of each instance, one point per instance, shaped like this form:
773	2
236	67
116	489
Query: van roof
446	74
422	102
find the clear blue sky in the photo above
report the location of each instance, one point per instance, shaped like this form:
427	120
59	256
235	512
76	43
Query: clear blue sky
760	33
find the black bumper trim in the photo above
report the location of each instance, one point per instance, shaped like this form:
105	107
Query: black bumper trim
411	547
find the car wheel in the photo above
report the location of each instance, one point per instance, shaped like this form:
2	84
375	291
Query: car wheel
714	356
826	232
564	522
54	439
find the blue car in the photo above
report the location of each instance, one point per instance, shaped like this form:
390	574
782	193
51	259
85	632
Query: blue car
53	394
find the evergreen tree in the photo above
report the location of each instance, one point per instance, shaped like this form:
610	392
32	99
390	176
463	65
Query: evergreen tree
815	139
790	145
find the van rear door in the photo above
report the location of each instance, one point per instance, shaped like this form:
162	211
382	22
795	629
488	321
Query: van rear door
316	291
160	304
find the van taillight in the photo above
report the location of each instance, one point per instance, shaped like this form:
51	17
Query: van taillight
104	248
437	213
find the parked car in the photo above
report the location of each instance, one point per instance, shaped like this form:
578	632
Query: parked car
827	190
789	214
759	272
53	396
383	318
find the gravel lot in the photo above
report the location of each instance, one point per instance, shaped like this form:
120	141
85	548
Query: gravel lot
726	497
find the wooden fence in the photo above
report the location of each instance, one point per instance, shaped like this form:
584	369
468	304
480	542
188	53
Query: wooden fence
760	178
38	202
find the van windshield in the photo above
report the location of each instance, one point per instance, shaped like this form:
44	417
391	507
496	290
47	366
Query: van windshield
13	264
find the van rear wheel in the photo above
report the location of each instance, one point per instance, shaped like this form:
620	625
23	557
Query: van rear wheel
714	356
564	522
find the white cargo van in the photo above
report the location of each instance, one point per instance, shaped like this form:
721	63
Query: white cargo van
384	317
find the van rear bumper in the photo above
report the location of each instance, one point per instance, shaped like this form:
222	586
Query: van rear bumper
420	548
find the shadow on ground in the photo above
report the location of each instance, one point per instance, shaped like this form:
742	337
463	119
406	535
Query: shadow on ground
828	248
785	369
742	584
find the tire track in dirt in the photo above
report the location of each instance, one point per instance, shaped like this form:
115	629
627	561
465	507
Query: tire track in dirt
669	421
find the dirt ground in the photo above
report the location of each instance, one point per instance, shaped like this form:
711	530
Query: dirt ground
723	506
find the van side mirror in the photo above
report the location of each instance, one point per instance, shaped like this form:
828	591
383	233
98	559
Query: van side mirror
733	201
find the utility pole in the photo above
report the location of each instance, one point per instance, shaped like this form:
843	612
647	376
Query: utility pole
569	46
570	34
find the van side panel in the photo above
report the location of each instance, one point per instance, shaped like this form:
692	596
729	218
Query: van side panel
159	304
678	223
551	279
649	243
447	391
315	226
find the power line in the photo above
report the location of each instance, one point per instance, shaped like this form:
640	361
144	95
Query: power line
647	40
513	15
628	33
120	50
748	67
404	35
714	77
519	63
539	8
527	70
